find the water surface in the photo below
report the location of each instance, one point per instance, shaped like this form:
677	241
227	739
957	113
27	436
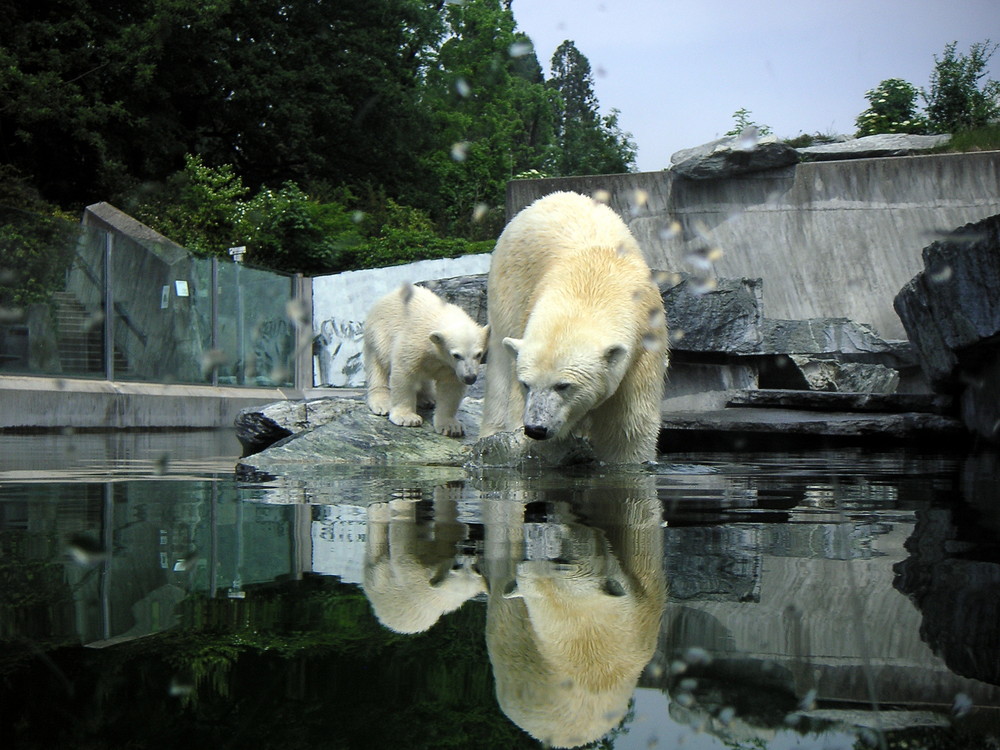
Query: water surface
149	597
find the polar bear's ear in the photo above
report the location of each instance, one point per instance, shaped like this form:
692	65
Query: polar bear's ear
513	345
437	338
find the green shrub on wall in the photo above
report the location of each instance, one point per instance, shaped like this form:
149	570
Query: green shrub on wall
892	109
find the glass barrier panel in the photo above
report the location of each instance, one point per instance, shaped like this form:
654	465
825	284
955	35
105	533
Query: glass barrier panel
45	328
256	337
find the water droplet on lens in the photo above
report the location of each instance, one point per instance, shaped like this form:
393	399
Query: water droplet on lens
460	150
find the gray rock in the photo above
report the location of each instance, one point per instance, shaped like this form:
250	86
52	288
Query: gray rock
514	450
259	427
951	309
724	316
873	146
821	336
894	403
846	377
466	292
734	155
353	435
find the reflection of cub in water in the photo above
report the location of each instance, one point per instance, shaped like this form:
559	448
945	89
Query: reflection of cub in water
574	606
415	568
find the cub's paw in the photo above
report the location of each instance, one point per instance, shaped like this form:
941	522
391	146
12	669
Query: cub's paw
449	427
378	404
405	418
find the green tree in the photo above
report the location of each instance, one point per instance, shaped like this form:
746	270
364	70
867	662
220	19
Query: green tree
742	123
892	108
586	142
491	116
959	99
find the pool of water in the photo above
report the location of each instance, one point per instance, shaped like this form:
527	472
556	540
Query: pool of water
152	597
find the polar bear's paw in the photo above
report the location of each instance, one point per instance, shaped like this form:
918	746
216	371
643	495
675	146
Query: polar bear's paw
405	418
449	427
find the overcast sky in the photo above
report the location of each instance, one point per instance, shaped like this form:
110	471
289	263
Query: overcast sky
677	71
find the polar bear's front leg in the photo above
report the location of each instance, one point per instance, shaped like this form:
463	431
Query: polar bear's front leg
403	387
376	380
449	395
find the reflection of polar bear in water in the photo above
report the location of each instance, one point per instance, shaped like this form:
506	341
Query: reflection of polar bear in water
569	636
415	572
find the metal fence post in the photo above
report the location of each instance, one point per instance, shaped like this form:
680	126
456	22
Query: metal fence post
109	310
214	345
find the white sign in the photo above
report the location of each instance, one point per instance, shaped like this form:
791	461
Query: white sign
182	287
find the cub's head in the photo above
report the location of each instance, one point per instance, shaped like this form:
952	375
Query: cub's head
462	347
562	384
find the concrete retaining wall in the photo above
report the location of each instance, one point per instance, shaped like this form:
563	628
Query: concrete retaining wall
829	239
30	403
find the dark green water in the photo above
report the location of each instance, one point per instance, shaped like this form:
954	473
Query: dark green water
830	599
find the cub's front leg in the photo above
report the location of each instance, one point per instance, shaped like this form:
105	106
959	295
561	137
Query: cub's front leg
403	387
450	393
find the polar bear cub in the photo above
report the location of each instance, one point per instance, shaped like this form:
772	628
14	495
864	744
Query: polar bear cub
419	348
578	341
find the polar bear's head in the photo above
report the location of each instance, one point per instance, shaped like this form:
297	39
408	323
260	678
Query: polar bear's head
461	346
562	384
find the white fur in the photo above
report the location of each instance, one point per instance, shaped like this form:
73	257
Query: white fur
419	348
578	339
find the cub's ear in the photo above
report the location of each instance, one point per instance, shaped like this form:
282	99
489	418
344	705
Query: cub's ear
486	335
437	338
513	345
615	354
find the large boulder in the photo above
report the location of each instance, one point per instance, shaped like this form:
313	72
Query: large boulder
874	146
951	313
731	156
724	316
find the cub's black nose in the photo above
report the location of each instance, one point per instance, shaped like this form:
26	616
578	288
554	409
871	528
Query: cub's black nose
536	432
469	379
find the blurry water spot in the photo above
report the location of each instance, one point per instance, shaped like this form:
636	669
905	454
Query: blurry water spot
211	360
460	150
357	216
639	200
186	563
671	230
463	88
688	684
622	250
11	314
684	699
747	140
651	342
520	49
162	464
59	384
808	702
676	335
678	667
665	278
600	71
479	212
296	311
7	276
279	374
93	321
601	196
406	293
726	715
85	550
962	705
703	286
180	689
696	655
940	275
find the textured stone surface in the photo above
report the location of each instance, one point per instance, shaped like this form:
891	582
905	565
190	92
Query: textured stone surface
820	336
873	146
466	292
724	316
951	309
259	427
827	401
735	155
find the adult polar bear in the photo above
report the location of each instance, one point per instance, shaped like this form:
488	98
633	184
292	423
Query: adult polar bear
578	336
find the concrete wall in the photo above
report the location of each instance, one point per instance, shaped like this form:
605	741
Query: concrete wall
829	239
40	403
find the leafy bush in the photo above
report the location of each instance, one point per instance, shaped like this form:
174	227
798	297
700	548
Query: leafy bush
37	242
743	123
892	109
956	100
